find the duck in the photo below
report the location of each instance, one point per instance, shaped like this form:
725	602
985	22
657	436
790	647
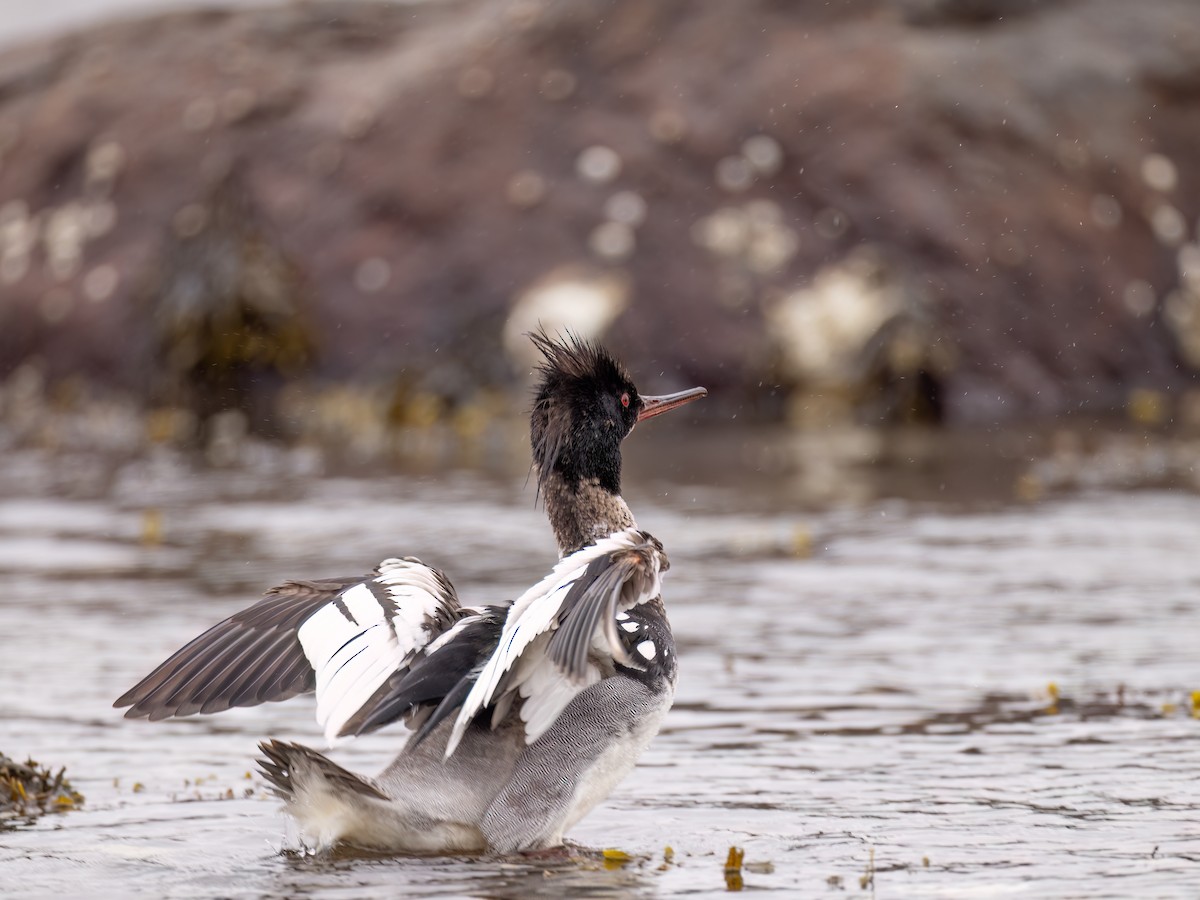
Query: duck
517	718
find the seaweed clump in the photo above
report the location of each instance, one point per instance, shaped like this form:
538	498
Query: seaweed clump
29	789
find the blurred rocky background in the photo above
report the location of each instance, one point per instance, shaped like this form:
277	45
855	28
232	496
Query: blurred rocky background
334	221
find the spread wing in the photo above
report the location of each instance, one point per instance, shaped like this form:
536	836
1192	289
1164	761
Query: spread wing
344	638
439	681
558	627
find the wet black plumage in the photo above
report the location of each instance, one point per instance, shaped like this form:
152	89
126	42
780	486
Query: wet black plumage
585	404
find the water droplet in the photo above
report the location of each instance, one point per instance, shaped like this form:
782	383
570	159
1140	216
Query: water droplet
1188	261
104	161
598	164
612	241
99	218
1168	224
63	239
771	248
668	126
1105	211
1159	172
1139	298
1181	311
626	207
100	282
190	220
372	275
764	213
18	237
526	189
724	232
734	174
831	223
764	153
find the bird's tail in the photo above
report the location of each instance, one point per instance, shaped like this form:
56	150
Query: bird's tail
296	771
330	804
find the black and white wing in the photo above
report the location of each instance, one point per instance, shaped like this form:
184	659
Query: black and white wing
436	685
554	631
343	638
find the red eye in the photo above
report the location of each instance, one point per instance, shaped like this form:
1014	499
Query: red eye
625	399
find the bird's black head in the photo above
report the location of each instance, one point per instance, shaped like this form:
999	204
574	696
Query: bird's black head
585	404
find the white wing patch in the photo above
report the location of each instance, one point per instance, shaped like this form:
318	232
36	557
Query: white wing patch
546	692
356	641
543	685
647	649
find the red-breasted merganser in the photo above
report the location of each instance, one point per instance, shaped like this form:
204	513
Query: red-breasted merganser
523	717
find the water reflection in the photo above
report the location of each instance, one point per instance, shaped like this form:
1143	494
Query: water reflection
583	875
971	695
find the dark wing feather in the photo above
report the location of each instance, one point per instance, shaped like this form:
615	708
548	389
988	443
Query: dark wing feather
449	705
444	677
590	599
204	676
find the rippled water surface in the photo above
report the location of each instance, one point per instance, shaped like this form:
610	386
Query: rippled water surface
867	695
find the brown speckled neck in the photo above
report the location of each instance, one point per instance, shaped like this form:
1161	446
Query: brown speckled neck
583	514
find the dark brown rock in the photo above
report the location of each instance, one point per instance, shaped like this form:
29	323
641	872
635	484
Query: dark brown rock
1029	171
